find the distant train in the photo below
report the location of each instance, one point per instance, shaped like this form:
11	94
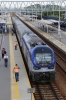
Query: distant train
39	57
62	24
3	27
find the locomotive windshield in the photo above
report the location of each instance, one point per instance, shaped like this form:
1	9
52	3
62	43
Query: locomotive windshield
43	59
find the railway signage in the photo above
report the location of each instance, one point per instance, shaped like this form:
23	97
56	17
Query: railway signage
31	90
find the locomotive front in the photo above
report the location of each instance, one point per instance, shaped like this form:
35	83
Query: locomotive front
43	59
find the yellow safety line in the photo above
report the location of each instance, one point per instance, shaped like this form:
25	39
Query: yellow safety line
14	84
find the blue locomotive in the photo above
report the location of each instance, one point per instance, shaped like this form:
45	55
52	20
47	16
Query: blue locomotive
39	57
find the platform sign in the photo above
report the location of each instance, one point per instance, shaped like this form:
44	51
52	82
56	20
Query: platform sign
31	90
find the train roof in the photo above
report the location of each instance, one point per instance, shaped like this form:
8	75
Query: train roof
32	39
16	20
20	26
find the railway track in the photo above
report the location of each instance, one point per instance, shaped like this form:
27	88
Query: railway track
61	81
46	91
61	62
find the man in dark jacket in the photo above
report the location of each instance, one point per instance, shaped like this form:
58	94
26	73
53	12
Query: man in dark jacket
6	60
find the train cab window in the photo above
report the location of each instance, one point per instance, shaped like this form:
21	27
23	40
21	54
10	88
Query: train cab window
43	58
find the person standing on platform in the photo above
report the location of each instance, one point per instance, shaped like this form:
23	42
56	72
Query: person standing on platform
16	71
6	60
3	52
12	31
15	44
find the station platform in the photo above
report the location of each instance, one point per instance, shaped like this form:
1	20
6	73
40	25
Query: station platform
61	45
9	88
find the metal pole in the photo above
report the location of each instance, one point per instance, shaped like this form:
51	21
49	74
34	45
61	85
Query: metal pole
59	22
41	11
31	90
31	95
36	12
47	28
60	35
59	31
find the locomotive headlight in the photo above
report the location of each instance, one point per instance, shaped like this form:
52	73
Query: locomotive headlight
51	67
35	68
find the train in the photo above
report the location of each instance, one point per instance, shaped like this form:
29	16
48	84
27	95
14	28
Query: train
62	25
3	27
40	58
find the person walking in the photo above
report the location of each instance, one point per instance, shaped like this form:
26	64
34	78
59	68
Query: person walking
12	31
6	60
16	71
15	44
3	52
